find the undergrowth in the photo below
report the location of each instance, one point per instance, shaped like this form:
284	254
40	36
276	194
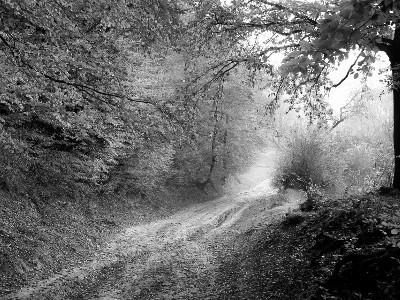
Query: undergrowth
316	160
345	248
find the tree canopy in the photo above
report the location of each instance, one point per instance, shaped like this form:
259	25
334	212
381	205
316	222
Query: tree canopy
117	95
314	37
138	88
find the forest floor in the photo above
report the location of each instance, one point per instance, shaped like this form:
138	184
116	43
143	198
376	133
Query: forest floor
175	258
178	257
253	243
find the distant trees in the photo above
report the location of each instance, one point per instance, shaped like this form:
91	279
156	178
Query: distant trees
315	36
366	26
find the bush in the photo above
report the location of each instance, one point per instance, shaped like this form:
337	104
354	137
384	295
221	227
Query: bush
143	172
307	162
347	161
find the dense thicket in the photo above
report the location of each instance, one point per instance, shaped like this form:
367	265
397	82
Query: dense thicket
115	96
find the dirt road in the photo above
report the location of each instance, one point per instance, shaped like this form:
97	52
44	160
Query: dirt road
175	258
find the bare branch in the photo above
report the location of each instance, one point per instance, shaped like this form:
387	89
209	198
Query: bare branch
348	109
279	89
337	123
272	26
348	71
230	64
295	13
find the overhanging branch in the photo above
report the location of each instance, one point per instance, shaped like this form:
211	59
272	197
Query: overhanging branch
348	71
289	10
89	90
79	86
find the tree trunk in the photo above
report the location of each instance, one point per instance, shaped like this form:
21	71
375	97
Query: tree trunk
226	151
394	56
396	130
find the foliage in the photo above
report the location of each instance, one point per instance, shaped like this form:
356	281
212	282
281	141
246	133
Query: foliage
314	38
144	172
365	143
355	242
343	250
115	96
354	156
226	130
65	93
308	162
128	96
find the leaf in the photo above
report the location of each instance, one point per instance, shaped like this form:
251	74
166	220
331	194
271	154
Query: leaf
347	12
356	75
394	231
382	18
356	35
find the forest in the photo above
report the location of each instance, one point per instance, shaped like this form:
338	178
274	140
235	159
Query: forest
119	115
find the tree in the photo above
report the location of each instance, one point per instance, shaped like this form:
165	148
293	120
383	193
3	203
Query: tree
367	26
117	95
74	98
315	36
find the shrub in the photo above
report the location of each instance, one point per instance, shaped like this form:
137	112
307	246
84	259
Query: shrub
293	219
307	162
346	161
143	172
368	166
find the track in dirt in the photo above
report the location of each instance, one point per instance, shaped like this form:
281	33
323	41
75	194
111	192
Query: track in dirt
174	258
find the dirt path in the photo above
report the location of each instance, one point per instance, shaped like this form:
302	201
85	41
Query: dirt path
175	258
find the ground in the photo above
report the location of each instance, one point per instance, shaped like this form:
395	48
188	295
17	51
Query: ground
252	243
179	257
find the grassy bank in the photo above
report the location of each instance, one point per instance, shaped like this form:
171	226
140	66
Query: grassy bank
39	238
344	249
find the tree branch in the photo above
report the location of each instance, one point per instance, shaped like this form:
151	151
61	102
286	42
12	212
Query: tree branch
91	91
266	26
295	13
79	86
348	71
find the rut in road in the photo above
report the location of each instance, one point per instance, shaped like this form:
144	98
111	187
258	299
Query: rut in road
174	258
